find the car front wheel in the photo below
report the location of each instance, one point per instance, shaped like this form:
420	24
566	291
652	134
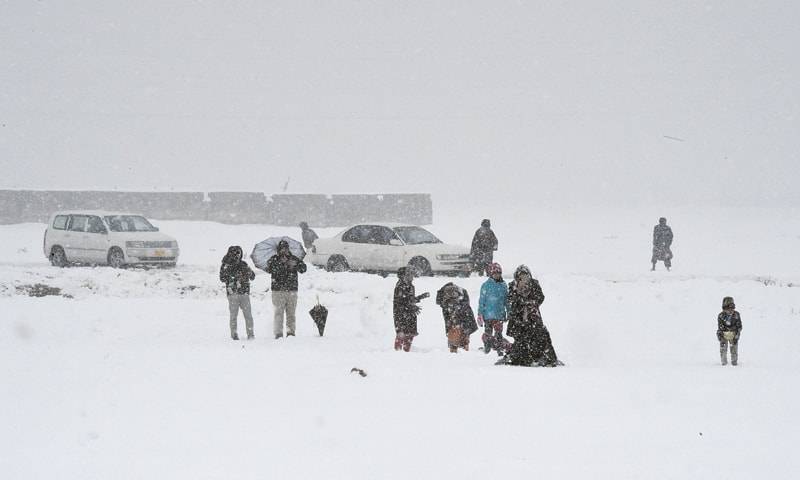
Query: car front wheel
116	258
58	258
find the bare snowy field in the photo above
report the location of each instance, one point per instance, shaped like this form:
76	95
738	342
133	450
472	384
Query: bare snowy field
135	376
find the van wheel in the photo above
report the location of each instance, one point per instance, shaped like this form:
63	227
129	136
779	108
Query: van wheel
337	263
58	258
116	258
421	267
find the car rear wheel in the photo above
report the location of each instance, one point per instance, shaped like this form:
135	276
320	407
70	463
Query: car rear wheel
58	258
421	267
116	259
337	263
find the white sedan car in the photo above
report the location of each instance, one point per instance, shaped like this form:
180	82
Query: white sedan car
385	247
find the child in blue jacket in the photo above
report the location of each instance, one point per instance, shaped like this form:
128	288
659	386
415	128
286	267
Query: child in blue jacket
492	310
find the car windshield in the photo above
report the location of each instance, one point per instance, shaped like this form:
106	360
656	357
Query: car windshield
129	223
416	235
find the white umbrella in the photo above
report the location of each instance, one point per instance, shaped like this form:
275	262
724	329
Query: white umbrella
266	249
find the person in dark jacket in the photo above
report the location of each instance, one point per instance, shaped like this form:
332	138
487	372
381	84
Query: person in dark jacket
484	243
405	309
309	236
662	241
459	319
236	275
284	268
532	343
729	328
492	311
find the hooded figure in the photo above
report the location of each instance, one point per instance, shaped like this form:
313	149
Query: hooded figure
284	268
532	343
729	328
662	241
309	236
405	309
459	319
236	275
484	243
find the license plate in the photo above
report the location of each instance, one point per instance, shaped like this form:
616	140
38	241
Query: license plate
160	253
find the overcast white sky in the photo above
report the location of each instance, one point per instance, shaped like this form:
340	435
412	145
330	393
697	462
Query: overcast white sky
480	101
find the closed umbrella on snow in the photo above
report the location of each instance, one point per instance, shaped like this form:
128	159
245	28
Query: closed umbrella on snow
266	249
320	316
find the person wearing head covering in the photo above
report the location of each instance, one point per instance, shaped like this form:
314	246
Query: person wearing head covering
729	328
405	309
492	311
484	243
236	275
662	241
459	319
284	267
309	235
532	343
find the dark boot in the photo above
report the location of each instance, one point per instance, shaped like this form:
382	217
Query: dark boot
235	336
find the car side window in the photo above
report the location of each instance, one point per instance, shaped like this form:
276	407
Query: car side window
96	225
380	235
78	223
60	222
357	234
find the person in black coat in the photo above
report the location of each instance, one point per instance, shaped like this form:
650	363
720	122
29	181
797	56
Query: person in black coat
309	235
405	309
284	268
459	319
729	328
236	275
484	243
662	241
532	343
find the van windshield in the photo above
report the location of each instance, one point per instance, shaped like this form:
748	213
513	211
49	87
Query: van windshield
129	223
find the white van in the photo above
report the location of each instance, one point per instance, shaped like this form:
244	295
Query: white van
112	238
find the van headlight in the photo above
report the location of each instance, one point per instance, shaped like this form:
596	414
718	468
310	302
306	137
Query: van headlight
134	244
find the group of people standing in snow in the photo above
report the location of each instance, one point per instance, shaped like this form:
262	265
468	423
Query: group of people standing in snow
516	304
284	268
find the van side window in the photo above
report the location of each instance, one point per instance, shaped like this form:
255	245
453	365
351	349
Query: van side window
60	222
78	223
96	225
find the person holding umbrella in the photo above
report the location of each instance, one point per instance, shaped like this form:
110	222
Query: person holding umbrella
284	267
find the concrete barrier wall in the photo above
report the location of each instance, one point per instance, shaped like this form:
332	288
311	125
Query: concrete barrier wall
18	206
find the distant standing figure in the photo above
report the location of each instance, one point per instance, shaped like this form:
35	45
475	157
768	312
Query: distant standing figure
284	268
459	319
492	311
729	328
484	243
236	275
662	241
532	343
405	309
309	235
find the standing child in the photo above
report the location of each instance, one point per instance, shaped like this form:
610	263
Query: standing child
492	311
405	309
236	275
459	319
729	328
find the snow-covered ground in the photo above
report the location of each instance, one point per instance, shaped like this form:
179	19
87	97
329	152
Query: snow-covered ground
133	374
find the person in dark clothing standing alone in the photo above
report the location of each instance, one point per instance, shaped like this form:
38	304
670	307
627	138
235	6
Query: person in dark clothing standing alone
236	275
484	243
729	328
405	309
284	268
309	236
662	241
